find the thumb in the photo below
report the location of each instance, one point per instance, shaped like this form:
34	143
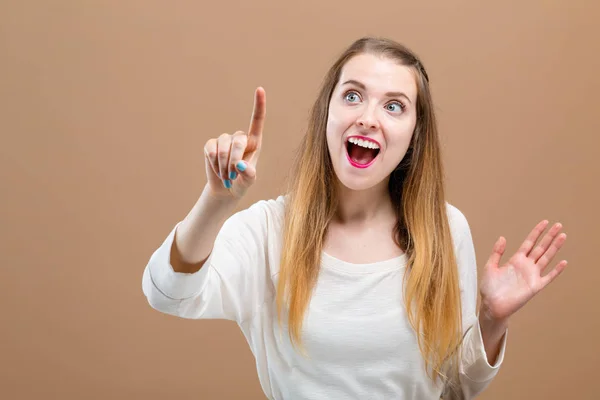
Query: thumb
246	170
497	252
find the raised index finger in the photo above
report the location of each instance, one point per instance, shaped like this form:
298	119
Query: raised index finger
257	122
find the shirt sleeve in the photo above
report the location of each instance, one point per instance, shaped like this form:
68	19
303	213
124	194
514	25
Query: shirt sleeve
475	372
232	283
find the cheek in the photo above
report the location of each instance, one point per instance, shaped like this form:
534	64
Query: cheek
340	116
398	142
334	126
328	129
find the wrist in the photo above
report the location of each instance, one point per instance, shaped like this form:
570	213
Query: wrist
218	197
215	207
490	324
492	331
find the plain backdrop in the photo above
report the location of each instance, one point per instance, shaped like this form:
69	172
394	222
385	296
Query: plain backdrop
105	107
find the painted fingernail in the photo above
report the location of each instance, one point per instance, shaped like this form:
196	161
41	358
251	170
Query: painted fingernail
241	166
232	175
227	183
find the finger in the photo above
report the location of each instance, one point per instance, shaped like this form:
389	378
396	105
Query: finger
552	250
246	170
238	146
533	237
552	275
223	148
210	152
259	112
497	252
257	122
541	248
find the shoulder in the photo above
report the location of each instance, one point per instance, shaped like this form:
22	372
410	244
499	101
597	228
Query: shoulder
272	209
261	216
459	225
256	233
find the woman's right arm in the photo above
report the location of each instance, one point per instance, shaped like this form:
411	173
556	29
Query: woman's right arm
194	237
230	163
178	270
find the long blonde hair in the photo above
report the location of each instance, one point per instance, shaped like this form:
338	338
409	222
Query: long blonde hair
422	230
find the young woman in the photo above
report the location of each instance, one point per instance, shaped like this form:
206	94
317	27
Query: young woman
361	282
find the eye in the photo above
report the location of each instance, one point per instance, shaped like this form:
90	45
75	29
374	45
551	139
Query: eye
396	106
351	96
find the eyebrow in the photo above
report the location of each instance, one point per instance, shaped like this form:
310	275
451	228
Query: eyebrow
363	87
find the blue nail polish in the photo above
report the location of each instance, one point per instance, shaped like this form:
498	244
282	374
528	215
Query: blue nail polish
227	183
232	175
241	166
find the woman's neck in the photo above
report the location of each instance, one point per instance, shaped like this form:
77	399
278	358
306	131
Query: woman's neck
364	206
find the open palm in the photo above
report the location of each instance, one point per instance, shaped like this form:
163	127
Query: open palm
505	289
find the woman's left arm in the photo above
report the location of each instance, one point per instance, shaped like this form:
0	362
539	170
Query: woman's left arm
492	333
507	288
503	289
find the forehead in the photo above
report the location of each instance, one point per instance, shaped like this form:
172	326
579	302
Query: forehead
380	74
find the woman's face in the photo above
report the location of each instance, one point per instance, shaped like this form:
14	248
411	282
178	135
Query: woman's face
372	117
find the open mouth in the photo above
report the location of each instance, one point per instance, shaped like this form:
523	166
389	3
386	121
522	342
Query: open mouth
361	152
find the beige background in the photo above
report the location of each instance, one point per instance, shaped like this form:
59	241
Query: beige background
105	108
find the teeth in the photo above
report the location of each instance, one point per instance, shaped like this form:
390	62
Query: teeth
363	143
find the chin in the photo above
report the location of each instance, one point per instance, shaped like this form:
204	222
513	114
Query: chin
359	183
356	186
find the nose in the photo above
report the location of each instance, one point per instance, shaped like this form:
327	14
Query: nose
368	120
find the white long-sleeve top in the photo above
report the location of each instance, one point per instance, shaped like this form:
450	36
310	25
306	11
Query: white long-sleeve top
359	342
